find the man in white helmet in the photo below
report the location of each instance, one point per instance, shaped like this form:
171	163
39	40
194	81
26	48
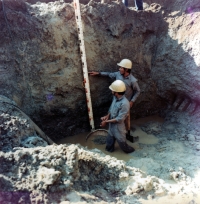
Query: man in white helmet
132	87
116	116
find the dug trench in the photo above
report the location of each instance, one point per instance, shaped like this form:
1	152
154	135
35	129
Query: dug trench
41	81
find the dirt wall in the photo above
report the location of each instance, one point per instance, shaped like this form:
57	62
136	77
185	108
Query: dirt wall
40	59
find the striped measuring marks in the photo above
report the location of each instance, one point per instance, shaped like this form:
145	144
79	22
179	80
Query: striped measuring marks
83	60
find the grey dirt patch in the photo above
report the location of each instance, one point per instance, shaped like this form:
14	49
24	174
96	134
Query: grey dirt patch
99	139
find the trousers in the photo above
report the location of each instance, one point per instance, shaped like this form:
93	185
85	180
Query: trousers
125	2
139	4
117	132
110	145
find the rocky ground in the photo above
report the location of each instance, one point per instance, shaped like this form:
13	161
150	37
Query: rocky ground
165	172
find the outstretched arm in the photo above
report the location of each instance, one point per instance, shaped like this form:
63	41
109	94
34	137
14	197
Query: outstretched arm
93	73
112	75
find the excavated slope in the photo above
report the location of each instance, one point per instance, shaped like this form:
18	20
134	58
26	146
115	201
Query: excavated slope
40	60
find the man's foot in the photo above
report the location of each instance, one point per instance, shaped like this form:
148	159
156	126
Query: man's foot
109	150
131	150
131	138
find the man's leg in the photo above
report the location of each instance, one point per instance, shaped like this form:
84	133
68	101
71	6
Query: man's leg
128	129
125	2
126	121
110	143
120	135
139	4
125	147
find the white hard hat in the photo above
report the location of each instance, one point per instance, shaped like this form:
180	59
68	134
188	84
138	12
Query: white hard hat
118	86
125	63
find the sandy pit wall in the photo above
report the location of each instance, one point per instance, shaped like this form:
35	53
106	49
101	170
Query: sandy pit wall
40	60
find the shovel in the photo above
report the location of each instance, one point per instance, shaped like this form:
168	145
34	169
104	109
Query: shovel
128	135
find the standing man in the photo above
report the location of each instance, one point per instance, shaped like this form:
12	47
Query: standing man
117	113
125	2
139	4
124	74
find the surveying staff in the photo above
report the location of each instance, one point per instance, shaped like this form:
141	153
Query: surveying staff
124	74
116	116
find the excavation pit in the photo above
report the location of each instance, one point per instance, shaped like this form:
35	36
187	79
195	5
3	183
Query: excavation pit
43	100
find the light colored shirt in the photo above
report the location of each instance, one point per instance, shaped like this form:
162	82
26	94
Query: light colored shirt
132	87
119	109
